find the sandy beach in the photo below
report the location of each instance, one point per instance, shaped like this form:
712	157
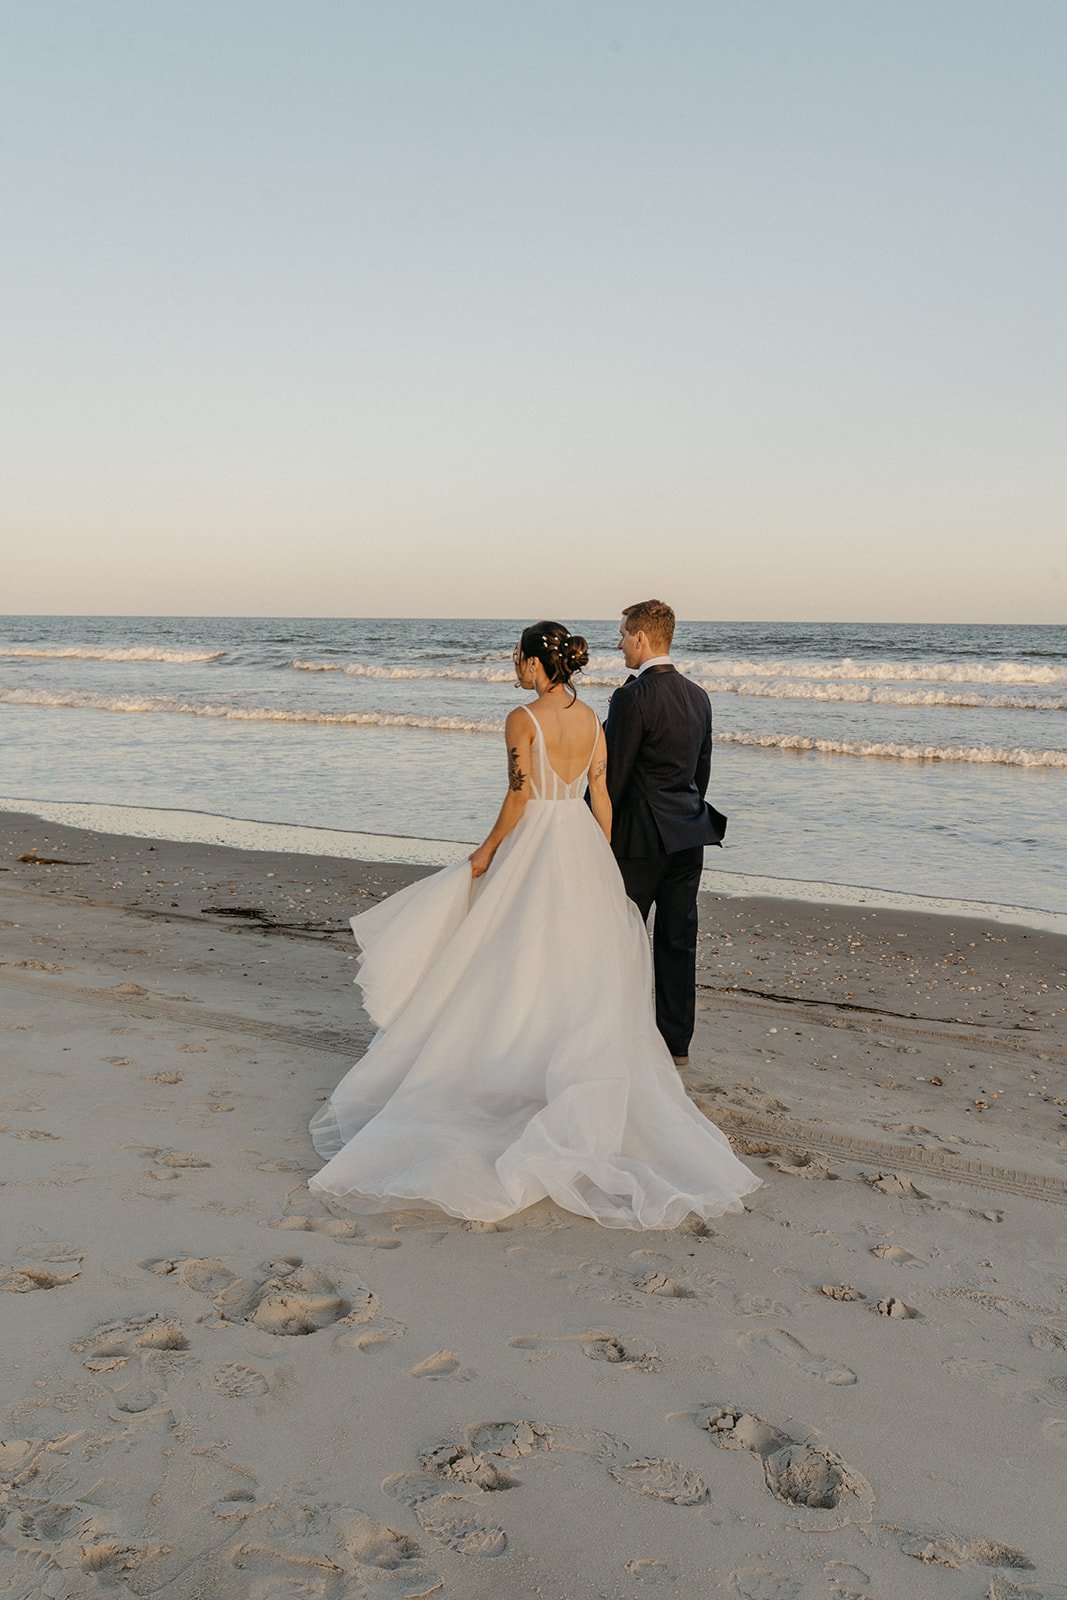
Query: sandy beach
213	1385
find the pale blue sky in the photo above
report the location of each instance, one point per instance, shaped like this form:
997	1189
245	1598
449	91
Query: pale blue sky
491	308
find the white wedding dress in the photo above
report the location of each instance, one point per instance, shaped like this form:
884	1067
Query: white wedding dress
517	1055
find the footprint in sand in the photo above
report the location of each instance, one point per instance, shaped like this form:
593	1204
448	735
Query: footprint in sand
661	1283
388	1564
179	1160
373	1339
747	1095
205	1274
663	1480
109	1558
513	1441
471	1469
1049	1339
332	1227
448	1495
304	1213
366	1328
895	1253
283	1297
894	1184
796	1164
38	1491
892	1307
796	1472
28	1276
137	1398
644	1570
648	1272
847	1581
112	1345
310	1564
48	1521
1001	1588
448	1518
236	1505
784	1344
238	1382
993	1373
759	1305
442	1364
593	1343
657	1273
943	1551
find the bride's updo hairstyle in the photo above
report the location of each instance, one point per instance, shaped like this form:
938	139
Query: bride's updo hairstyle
561	653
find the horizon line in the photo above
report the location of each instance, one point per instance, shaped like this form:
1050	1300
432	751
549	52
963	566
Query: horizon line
442	616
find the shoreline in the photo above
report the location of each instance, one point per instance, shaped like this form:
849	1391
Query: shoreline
210	828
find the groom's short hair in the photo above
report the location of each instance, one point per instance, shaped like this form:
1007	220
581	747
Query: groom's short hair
652	617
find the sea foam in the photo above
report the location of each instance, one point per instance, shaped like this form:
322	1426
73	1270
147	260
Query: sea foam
797	682
1018	756
96	653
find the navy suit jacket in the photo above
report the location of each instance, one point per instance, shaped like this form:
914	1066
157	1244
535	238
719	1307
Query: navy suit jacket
658	731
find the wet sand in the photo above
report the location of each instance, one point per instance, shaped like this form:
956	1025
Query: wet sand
211	1384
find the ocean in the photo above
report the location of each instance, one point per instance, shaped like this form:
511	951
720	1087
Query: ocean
924	759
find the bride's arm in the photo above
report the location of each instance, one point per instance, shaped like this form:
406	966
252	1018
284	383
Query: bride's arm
518	736
599	799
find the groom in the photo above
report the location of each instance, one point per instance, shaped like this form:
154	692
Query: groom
658	732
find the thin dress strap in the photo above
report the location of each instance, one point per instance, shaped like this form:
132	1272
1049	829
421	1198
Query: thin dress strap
540	781
596	741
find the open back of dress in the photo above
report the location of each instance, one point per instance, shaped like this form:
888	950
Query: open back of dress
545	781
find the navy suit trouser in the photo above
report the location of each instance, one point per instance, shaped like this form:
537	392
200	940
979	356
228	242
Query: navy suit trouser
670	883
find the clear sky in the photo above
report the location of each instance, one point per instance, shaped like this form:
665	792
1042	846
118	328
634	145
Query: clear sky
466	307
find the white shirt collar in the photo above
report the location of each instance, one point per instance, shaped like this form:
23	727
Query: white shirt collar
657	661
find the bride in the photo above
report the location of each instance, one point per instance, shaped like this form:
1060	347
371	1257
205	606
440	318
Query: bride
517	1056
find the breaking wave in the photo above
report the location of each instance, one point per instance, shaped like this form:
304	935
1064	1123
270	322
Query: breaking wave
369	669
721	679
160	705
875	694
985	755
75	652
847	669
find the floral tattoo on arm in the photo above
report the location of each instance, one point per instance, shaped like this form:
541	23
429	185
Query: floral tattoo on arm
516	776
